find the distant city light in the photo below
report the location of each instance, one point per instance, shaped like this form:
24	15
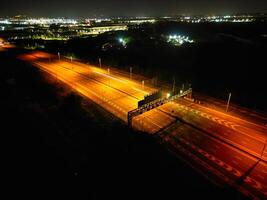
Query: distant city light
50	21
218	19
141	21
179	39
5	21
40	21
102	20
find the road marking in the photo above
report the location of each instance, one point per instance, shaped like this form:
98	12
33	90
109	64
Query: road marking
238	158
242	141
260	176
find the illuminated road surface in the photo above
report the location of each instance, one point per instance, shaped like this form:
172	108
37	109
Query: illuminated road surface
223	147
238	133
250	115
232	146
229	164
117	94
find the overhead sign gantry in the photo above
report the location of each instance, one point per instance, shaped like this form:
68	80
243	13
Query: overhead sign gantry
155	100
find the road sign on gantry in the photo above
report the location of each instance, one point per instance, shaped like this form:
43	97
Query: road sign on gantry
149	98
144	107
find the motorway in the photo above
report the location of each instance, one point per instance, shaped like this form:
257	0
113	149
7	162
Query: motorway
115	93
241	112
228	149
230	145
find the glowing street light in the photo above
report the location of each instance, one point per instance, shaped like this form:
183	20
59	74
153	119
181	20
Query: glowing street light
168	95
122	41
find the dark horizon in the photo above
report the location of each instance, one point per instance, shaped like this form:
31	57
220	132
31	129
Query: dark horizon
22	15
82	8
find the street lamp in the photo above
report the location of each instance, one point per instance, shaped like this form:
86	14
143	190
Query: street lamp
131	70
109	77
173	85
99	61
228	102
71	61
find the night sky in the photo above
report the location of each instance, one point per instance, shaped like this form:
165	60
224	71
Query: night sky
87	8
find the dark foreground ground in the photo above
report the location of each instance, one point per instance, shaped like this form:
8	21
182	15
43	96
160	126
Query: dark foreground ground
57	145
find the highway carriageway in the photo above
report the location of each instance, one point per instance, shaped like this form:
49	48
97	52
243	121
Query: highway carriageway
221	146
